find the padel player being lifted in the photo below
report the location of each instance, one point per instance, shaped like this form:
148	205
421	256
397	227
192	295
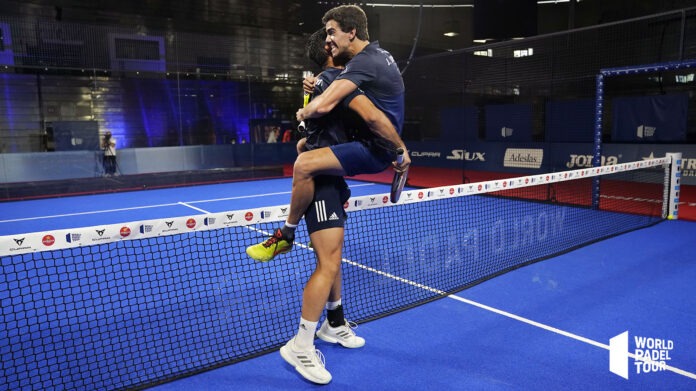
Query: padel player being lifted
370	73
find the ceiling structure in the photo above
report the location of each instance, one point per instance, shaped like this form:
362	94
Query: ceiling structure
399	25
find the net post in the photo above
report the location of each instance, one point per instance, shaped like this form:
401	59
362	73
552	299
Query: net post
673	185
597	158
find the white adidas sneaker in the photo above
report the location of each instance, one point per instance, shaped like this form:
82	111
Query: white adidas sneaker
310	364
343	334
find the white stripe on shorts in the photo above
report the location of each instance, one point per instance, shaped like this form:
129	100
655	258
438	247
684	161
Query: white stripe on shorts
320	206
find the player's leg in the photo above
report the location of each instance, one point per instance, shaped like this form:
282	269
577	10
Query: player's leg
321	161
327	238
343	159
325	220
336	328
300	351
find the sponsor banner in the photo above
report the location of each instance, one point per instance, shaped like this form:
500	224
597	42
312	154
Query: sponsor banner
523	158
96	235
491	156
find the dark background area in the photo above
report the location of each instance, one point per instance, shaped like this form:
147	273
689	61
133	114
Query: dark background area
394	24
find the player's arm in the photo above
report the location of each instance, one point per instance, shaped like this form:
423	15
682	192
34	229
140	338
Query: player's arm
380	125
301	145
324	103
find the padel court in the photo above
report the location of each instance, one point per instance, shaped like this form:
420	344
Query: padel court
190	307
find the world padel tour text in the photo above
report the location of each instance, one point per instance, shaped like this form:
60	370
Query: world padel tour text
652	354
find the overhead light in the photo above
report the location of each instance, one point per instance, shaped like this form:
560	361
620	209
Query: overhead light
554	1
451	29
484	40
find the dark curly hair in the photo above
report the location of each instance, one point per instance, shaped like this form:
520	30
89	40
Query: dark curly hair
315	48
349	17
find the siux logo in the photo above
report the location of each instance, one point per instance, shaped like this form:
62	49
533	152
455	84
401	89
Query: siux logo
462	154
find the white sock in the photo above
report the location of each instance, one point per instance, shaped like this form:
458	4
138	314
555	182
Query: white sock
332	305
304	340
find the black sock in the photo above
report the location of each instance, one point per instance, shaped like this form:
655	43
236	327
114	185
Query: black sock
336	317
288	232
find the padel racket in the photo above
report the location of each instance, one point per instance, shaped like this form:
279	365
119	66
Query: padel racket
305	99
399	179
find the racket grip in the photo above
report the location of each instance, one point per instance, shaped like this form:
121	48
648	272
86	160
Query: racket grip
301	127
399	155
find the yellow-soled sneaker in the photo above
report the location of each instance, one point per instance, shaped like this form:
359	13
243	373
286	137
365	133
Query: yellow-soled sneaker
265	251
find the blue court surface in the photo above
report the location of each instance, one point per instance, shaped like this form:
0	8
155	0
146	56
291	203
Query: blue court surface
543	326
84	211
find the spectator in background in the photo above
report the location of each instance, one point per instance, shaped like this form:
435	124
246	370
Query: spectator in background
109	148
273	135
287	136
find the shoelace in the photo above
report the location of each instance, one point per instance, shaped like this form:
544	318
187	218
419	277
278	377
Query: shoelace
351	326
273	239
270	242
320	357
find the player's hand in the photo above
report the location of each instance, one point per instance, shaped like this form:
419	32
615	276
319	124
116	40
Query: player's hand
404	164
301	145
299	115
308	84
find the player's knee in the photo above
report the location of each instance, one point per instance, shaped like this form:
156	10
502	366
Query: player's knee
304	166
329	269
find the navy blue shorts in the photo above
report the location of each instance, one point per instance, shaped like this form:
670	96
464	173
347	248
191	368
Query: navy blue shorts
356	158
326	210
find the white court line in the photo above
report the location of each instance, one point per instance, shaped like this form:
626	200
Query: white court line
515	317
87	213
264	195
185	203
193	207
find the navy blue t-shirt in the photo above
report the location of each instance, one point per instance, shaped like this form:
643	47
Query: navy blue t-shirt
329	129
376	74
